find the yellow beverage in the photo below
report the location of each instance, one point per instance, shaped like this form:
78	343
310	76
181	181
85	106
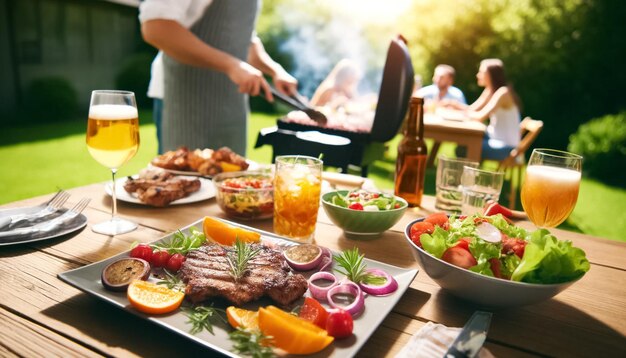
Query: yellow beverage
297	190
112	134
549	194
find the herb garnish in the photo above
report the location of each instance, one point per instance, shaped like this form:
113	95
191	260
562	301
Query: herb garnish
172	281
181	243
201	317
239	257
352	263
251	343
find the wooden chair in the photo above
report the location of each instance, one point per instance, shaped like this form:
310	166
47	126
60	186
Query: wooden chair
516	160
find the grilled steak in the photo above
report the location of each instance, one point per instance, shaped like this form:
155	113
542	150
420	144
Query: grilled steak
207	274
157	187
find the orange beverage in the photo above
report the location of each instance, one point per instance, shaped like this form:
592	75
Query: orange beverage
549	194
112	134
297	189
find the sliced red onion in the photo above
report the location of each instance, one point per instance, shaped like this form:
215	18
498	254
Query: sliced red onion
357	306
319	292
326	264
390	285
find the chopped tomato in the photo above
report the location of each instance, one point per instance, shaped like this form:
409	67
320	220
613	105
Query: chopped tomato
459	257
313	311
463	243
355	206
480	220
438	219
339	324
495	267
419	228
512	245
495	208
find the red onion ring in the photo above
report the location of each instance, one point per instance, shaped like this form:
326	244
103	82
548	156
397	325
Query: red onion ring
357	306
326	264
390	285
319	292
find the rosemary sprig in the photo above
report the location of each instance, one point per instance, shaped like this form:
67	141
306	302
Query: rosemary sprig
181	243
240	256
354	268
251	343
172	281
202	317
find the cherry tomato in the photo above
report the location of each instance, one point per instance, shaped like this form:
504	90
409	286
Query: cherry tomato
175	262
463	243
339	324
438	219
495	267
355	206
420	228
142	251
459	257
160	258
313	311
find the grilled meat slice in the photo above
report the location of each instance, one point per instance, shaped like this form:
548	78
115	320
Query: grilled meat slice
157	187
207	274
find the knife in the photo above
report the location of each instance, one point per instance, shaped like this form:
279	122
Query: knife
472	337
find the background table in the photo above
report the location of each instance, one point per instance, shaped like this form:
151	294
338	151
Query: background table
42	316
466	133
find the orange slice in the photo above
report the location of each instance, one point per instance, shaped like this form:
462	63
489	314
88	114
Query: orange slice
229	167
238	317
226	234
151	298
292	334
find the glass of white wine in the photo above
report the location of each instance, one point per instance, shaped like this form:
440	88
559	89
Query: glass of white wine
112	140
550	188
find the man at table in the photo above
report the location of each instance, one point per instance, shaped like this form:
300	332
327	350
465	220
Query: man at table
442	89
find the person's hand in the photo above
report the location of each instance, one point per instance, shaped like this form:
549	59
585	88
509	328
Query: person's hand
285	83
250	80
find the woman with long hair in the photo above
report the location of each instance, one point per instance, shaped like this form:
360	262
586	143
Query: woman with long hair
339	87
500	104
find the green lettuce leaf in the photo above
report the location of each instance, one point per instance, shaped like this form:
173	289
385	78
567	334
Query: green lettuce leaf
508	229
435	243
483	251
548	260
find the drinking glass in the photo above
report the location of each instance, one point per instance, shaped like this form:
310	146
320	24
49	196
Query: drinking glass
297	189
448	182
479	187
550	188
112	140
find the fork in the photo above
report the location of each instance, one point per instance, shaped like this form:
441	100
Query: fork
52	206
49	225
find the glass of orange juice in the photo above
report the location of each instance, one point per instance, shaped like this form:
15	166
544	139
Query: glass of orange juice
297	188
550	188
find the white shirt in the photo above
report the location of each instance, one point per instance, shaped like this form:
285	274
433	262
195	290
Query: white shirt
185	12
503	128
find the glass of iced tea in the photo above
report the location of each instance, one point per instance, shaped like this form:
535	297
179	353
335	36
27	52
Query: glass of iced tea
550	188
297	188
112	140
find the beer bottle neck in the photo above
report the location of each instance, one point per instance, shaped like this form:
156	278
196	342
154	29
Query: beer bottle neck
415	125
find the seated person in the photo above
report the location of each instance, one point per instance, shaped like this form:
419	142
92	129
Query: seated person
338	87
442	90
500	104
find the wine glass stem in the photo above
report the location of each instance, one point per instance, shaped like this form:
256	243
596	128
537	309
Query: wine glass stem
113	197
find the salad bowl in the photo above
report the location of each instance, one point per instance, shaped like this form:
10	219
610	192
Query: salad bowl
363	224
246	195
481	289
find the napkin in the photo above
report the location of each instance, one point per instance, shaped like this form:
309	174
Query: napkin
433	340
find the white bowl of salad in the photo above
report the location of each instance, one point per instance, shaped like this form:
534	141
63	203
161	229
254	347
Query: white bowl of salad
363	214
489	261
245	195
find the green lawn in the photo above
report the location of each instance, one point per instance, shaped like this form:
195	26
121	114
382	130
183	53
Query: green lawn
39	158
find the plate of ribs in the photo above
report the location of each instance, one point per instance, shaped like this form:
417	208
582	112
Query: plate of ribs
268	281
159	188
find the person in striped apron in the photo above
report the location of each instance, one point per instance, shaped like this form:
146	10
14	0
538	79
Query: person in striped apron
211	61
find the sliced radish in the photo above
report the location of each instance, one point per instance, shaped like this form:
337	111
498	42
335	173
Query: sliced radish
488	232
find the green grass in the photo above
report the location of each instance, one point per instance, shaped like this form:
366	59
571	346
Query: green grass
39	158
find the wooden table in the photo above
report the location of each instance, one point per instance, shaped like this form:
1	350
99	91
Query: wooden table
466	133
42	316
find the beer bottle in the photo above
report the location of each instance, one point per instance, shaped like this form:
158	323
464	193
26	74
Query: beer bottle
412	156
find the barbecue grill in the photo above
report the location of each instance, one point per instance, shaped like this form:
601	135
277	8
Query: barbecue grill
342	148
